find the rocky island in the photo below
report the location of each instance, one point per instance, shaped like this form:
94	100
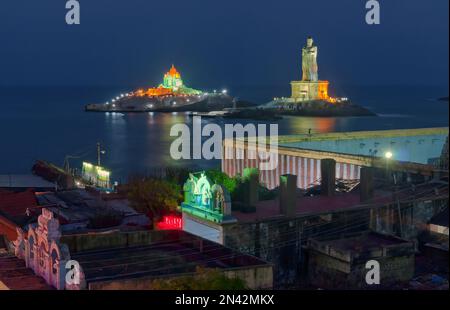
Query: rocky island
170	96
309	96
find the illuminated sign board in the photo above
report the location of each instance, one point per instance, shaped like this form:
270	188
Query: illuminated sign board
96	175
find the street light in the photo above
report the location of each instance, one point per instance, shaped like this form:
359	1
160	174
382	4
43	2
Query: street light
388	155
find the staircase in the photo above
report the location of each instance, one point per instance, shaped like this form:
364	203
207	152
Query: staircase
14	275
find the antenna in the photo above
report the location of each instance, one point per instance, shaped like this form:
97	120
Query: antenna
100	152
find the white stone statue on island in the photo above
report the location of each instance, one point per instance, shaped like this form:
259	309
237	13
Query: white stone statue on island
309	95
309	61
309	88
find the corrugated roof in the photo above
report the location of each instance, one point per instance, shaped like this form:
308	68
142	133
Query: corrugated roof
23	181
16	204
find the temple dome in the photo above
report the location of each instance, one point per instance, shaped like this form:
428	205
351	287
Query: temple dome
173	72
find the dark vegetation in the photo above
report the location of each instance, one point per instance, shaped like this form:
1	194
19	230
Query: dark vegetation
161	192
203	279
104	220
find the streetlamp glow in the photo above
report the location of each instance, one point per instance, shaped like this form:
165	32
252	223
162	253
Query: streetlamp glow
388	155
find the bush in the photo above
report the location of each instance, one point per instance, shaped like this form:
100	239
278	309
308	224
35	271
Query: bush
219	177
154	197
204	279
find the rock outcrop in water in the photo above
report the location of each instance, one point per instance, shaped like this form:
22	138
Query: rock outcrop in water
318	108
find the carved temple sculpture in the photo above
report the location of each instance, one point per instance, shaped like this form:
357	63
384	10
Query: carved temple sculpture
309	88
206	200
42	251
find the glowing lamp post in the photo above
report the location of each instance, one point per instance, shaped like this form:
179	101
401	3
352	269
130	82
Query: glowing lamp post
388	156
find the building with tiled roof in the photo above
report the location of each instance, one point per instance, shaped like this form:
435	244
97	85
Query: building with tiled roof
16	210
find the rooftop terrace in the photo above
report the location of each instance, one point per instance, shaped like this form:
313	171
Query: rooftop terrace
344	201
411	145
176	252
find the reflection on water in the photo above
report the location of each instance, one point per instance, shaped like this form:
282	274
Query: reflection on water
302	125
47	124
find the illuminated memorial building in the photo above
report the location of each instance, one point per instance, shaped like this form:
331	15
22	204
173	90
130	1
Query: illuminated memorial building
172	85
172	95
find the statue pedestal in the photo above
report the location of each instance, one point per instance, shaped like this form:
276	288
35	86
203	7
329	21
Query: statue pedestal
308	90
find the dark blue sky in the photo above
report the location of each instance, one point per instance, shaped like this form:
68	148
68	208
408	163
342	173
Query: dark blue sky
228	42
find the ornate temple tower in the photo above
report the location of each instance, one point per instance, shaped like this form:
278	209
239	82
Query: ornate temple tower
309	88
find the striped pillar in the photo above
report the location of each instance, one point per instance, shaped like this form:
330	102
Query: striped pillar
307	170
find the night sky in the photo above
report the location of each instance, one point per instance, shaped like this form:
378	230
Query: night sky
232	42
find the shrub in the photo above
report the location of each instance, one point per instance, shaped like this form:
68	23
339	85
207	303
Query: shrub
204	279
154	197
222	178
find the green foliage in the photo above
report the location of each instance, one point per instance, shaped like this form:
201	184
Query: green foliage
236	186
219	177
204	279
154	196
267	194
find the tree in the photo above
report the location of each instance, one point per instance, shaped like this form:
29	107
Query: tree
204	279
153	196
222	178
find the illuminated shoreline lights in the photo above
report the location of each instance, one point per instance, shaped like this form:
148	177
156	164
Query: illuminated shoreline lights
172	85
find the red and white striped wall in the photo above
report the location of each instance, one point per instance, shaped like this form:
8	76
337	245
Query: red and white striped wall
306	169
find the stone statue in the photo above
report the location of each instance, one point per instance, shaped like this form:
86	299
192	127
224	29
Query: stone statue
309	61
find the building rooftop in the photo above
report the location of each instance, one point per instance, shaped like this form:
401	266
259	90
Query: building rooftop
441	219
14	205
362	246
412	150
81	207
411	145
18	181
267	209
364	242
178	253
341	201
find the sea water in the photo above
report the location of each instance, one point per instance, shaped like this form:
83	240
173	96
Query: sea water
50	123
